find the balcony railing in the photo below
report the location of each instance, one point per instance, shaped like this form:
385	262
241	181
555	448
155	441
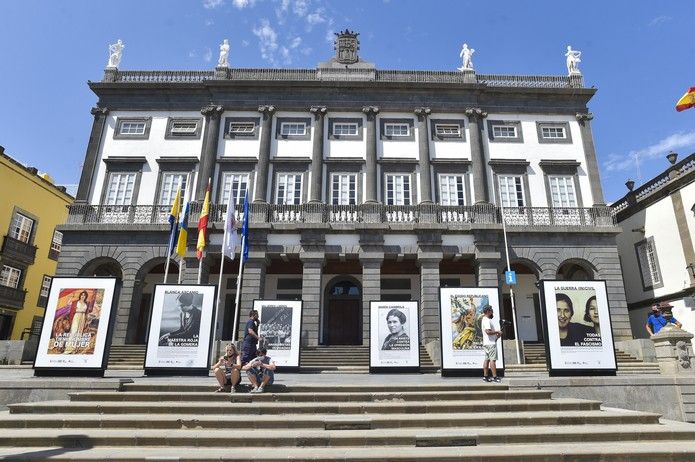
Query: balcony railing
453	216
11	297
18	250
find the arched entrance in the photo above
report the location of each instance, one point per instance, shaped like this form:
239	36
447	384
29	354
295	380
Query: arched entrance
150	274
575	270
342	313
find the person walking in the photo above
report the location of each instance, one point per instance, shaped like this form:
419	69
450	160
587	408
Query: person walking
248	347
491	332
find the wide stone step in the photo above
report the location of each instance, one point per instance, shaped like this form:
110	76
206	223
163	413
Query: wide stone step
642	451
276	408
313	397
309	421
438	437
173	386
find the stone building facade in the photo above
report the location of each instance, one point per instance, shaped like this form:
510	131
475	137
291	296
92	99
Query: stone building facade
366	184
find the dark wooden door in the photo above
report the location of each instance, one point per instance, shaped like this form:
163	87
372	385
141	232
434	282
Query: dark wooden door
344	322
143	319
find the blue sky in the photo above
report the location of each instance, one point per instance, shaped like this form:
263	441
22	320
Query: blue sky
640	56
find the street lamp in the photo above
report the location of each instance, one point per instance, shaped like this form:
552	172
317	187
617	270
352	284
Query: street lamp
630	185
672	157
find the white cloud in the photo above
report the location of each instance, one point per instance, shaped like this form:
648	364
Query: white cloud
192	54
267	40
241	4
209	22
330	36
301	7
244	43
208	55
675	142
212	4
295	42
317	17
659	20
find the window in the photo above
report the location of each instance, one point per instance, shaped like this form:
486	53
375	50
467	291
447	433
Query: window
292	129
345	129
183	128
289	189
452	190
120	189
236	181
171	181
344	189
241	128
132	128
10	276
447	130
45	286
397	189
551	132
397	129
648	263
511	191
21	227
562	191
504	131
56	244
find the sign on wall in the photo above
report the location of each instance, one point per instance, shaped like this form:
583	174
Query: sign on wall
394	334
180	328
578	326
280	327
76	324
461	313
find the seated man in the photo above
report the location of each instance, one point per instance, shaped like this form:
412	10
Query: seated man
260	371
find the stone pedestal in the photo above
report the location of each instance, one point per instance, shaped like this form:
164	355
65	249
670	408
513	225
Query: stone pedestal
674	351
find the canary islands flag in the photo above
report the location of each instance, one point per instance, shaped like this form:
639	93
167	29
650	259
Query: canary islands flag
203	225
174	221
183	232
687	101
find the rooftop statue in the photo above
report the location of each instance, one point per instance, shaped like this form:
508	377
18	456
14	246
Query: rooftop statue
115	54
573	61
224	54
467	56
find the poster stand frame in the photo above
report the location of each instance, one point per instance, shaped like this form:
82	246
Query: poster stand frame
82	371
400	369
285	369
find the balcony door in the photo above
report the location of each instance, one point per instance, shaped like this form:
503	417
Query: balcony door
343	313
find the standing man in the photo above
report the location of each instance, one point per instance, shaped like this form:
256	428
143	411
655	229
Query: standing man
248	347
657	321
491	332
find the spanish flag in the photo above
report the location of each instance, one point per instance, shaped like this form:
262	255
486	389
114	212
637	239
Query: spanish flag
174	222
687	101
203	224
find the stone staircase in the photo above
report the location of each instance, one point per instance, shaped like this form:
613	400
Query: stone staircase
534	356
126	357
348	359
179	420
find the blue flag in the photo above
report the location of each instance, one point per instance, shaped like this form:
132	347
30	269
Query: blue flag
245	229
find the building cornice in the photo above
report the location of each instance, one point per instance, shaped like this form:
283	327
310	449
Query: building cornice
31	173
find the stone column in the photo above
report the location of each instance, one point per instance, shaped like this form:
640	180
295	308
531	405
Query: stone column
590	154
91	158
312	266
125	303
429	305
370	166
674	351
422	114
487	257
317	154
371	288
252	288
476	118
190	270
264	152
208	156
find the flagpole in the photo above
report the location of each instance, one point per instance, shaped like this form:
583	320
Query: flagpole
180	270
200	268
238	287
219	283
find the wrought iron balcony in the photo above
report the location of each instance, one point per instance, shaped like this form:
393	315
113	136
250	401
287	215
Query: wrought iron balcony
451	216
11	297
18	250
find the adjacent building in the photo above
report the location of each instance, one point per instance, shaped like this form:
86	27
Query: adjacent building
365	184
656	243
31	209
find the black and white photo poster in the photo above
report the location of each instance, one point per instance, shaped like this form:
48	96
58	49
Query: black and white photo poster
461	313
578	326
280	327
76	323
180	327
394	333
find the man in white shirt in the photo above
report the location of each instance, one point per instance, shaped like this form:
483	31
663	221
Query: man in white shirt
491	332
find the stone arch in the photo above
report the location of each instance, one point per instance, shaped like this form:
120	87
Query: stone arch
576	269
526	264
102	266
352	301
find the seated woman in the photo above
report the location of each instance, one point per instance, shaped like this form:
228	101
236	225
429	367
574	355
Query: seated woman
260	371
228	369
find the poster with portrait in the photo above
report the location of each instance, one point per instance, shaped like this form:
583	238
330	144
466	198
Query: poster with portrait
76	325
578	326
280	328
180	329
461	314
394	334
